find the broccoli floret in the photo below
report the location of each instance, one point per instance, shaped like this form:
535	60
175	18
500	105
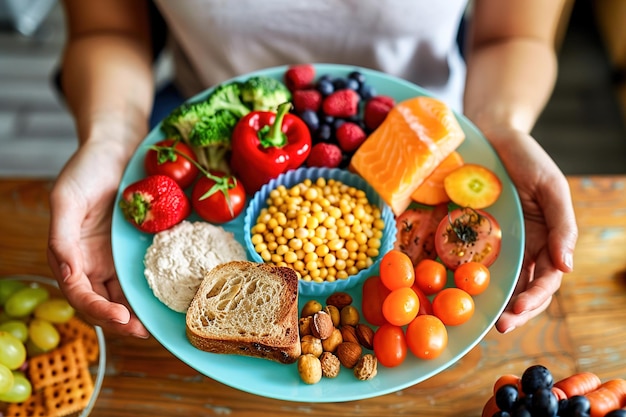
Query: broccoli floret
228	97
264	93
181	120
210	137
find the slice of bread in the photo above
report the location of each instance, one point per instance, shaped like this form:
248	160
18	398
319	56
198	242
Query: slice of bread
247	308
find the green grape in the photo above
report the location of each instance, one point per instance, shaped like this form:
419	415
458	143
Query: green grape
32	349
43	334
20	391
17	328
55	310
8	287
6	379
23	302
12	351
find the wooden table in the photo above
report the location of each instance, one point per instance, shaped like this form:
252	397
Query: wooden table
584	328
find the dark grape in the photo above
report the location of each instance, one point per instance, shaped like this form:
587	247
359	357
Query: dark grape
616	413
506	397
544	403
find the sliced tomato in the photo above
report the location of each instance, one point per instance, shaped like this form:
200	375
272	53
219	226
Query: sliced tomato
468	235
416	229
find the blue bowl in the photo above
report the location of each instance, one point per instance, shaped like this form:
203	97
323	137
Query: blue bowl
293	177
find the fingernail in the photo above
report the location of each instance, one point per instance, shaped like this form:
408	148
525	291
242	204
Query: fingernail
568	260
140	336
65	270
510	329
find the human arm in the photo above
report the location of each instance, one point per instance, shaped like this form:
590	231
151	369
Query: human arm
107	83
511	70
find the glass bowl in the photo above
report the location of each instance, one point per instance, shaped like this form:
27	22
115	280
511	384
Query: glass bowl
96	360
293	177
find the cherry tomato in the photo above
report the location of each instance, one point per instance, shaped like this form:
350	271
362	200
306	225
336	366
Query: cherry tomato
401	306
373	295
453	306
390	345
167	161
396	270
430	276
211	195
426	306
468	235
426	336
472	277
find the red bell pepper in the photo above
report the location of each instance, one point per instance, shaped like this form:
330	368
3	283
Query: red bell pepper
266	144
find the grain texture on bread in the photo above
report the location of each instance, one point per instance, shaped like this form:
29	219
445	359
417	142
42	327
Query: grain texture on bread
246	308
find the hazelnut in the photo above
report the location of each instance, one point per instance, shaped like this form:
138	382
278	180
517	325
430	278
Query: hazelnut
349	334
365	335
349	353
366	367
331	342
304	325
334	313
310	307
310	369
322	325
339	300
310	344
330	365
349	316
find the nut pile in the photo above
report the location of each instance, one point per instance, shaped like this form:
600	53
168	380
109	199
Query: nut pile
332	336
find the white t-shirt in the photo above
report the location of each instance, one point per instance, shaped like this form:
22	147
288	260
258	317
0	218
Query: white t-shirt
411	39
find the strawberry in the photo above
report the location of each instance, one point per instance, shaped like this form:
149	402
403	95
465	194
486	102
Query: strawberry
342	103
350	136
299	76
308	99
154	203
324	155
376	109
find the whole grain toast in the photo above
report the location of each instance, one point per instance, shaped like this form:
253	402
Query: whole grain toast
246	308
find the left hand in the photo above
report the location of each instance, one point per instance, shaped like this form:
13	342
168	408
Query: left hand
549	220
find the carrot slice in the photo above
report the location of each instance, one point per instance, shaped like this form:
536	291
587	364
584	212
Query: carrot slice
473	185
431	192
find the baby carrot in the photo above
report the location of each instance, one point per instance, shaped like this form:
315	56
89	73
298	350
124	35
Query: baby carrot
602	401
579	384
507	379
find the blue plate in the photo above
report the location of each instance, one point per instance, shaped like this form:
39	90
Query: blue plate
274	380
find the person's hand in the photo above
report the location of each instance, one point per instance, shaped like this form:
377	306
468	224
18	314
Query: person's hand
550	225
79	246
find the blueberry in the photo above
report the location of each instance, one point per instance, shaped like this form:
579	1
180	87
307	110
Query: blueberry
521	412
366	92
311	119
577	404
501	414
357	76
326	119
544	403
340	83
352	84
616	413
324	133
506	397
535	377
325	87
337	123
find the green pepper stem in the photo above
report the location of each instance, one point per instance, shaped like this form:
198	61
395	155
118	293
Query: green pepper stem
273	136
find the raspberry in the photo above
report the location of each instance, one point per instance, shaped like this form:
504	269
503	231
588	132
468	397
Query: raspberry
308	99
350	136
376	109
324	155
342	103
299	76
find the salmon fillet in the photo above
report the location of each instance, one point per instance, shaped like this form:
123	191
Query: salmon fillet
405	149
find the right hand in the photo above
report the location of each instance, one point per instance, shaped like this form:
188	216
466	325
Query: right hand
79	245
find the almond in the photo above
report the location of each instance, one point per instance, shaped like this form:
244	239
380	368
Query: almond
349	354
339	300
322	325
349	334
365	335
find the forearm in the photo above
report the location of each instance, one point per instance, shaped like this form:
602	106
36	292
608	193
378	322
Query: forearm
509	83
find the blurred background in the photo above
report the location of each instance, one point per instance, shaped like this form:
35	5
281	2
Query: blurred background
583	127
